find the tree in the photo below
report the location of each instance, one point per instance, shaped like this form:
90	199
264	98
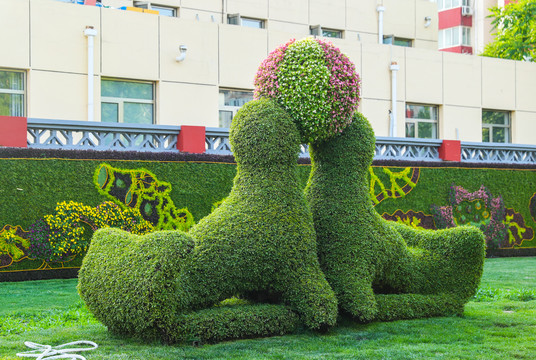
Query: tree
516	31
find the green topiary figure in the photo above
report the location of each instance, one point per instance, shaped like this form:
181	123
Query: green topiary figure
378	269
260	242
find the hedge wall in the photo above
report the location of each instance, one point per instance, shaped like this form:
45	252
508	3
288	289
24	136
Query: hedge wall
33	182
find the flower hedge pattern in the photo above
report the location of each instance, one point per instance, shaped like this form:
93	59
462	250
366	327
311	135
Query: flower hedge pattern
67	231
504	228
315	83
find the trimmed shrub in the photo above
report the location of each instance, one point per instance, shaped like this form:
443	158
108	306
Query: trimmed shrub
234	322
128	281
67	231
314	82
260	242
381	269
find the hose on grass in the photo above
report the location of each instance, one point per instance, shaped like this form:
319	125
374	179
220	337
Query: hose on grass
47	352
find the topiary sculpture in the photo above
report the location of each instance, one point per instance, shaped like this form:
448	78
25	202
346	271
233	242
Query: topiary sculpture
259	243
383	270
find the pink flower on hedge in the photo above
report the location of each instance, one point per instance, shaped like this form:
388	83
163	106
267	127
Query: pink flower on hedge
314	82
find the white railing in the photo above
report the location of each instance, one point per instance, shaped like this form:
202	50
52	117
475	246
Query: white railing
60	134
54	134
498	153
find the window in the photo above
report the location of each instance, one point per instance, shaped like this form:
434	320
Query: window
229	103
449	4
11	93
454	36
127	102
421	121
162	10
318	30
495	126
397	41
236	19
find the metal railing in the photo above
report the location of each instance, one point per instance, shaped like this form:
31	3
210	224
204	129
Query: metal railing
388	148
498	153
60	134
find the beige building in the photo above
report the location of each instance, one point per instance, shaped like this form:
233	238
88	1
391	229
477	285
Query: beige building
194	64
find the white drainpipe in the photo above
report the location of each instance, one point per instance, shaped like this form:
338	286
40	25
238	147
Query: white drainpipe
394	68
380	10
90	33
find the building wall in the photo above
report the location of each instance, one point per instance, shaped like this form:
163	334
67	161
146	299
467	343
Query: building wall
49	43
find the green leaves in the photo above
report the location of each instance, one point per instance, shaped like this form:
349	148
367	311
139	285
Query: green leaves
515	36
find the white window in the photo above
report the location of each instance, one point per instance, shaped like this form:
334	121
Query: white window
11	93
318	30
421	121
162	10
236	19
449	4
454	36
391	39
230	102
495	126
124	101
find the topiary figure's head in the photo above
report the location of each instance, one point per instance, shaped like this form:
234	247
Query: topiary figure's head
315	83
262	134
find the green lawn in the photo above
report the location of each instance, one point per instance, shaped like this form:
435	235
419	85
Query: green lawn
499	324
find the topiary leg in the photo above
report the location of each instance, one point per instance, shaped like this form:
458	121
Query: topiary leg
128	281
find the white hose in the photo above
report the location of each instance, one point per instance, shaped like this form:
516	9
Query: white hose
47	352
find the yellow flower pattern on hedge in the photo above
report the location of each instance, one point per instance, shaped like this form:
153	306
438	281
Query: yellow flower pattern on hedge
72	224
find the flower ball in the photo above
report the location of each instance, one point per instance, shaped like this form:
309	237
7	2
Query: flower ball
315	83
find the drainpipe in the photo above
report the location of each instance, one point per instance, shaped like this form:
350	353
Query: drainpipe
90	33
394	68
380	10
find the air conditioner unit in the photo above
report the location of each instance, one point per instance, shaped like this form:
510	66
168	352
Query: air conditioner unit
467	11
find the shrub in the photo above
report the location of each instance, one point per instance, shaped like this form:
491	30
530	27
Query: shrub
478	208
68	230
12	242
234	322
141	191
314	82
128	281
260	242
380	269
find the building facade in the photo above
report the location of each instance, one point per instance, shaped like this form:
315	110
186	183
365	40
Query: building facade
192	62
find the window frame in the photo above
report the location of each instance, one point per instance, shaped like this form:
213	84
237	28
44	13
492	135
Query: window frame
155	6
318	30
237	19
463	32
120	101
393	39
453	4
230	108
490	127
17	92
415	121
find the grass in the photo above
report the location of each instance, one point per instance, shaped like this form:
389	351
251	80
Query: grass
500	323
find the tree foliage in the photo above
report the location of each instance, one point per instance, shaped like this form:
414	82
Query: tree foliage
515	36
